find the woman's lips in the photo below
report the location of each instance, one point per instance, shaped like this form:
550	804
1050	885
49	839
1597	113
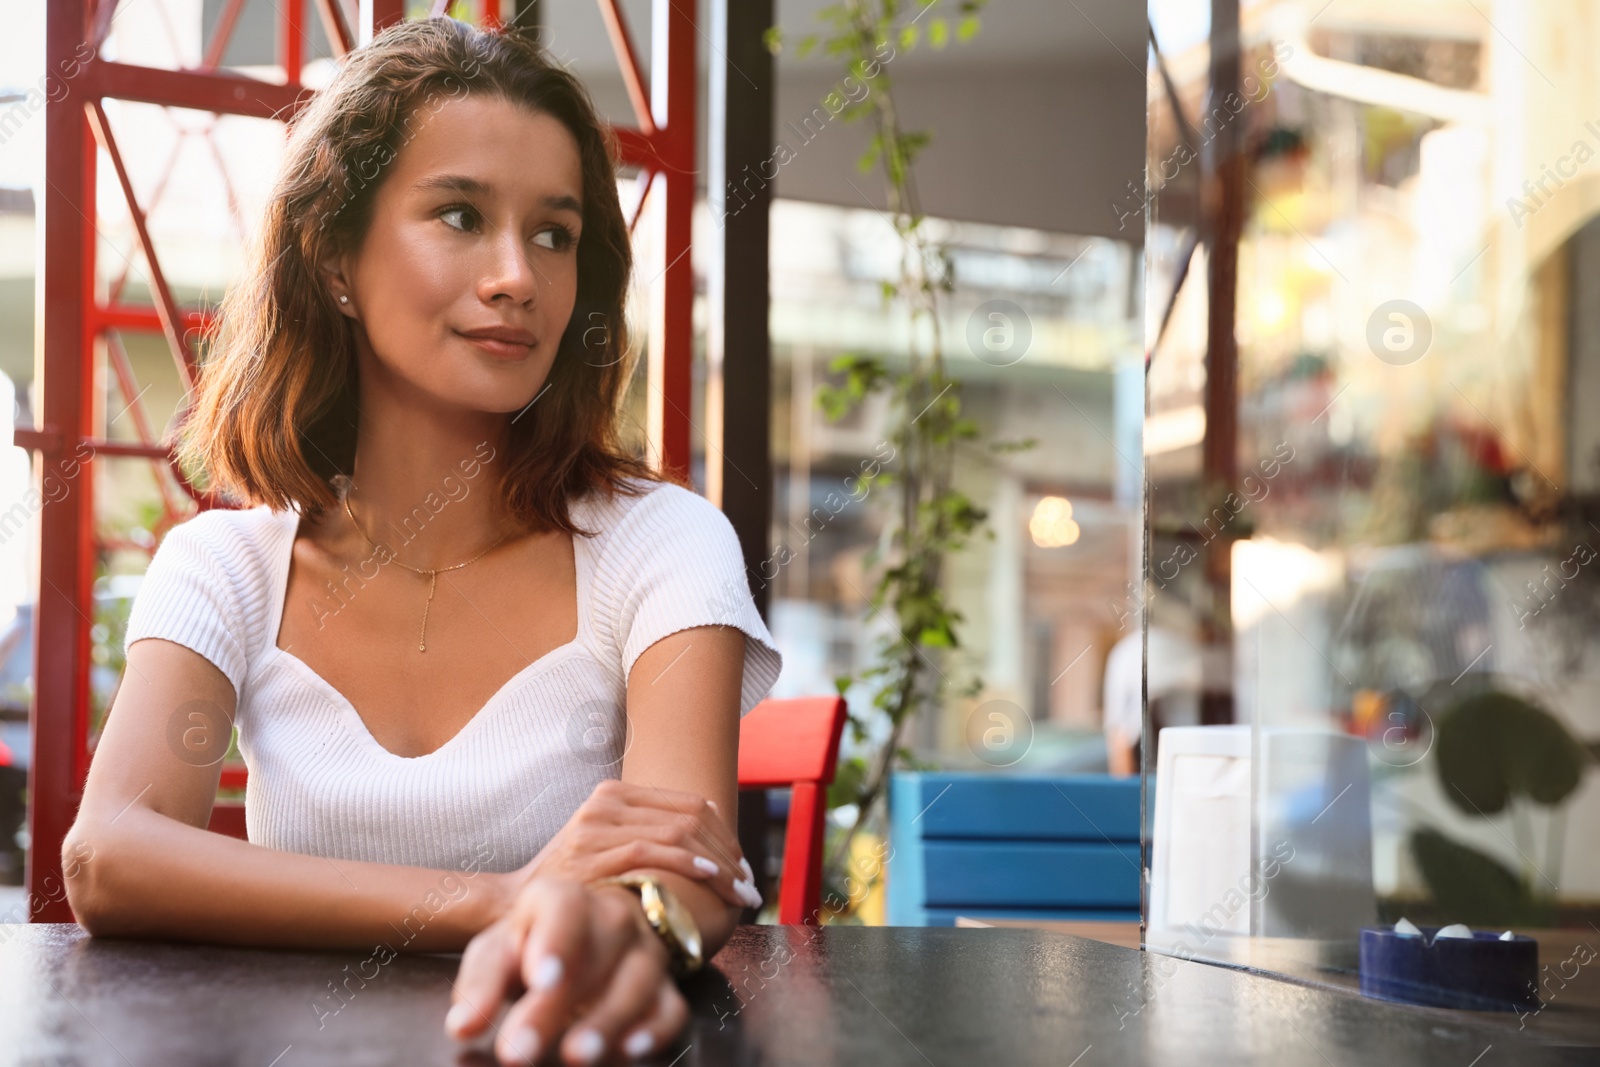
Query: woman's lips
503	350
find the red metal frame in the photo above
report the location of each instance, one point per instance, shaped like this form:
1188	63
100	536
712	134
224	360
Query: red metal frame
73	319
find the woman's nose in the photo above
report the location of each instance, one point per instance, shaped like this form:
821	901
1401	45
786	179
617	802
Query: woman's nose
511	271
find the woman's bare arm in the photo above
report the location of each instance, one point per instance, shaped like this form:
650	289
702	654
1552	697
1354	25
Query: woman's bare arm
683	718
140	863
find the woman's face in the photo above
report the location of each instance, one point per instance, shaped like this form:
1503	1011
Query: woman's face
474	228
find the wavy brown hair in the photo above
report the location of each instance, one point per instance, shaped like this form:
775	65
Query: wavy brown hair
276	411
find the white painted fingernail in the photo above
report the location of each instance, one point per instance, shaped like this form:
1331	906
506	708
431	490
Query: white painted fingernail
749	875
457	1018
639	1043
523	1045
587	1045
547	973
706	865
747	893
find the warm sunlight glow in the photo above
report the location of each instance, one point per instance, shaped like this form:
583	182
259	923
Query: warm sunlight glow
1052	525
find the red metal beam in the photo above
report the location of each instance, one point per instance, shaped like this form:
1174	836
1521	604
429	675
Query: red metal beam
340	39
105	10
48	443
672	74
166	307
652	150
384	13
135	317
65	376
622	45
291	46
642	183
221	35
227	94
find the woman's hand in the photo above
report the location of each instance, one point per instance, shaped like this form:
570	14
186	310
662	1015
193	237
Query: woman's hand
592	968
624	827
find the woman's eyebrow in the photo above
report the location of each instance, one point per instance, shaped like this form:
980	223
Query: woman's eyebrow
460	183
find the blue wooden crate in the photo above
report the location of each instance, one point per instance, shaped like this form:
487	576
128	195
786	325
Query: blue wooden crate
1012	846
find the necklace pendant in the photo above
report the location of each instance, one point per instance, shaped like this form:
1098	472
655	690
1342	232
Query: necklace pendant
422	639
433	575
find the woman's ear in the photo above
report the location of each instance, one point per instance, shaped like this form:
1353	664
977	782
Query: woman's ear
333	277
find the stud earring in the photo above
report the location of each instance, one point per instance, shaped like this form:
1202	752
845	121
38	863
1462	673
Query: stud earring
344	300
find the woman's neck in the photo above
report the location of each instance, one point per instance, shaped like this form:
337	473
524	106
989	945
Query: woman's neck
426	482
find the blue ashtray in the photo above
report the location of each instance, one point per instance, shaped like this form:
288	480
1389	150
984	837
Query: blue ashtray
1481	973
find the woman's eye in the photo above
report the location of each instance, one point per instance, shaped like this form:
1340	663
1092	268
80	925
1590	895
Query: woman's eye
458	210
557	239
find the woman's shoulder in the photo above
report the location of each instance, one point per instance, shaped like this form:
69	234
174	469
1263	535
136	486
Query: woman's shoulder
225	526
237	536
629	523
209	585
238	547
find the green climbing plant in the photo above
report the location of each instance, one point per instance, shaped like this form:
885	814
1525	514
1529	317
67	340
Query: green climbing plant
929	518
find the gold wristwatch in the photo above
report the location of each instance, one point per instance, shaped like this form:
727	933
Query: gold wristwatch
667	917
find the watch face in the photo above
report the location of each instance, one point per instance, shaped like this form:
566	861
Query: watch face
682	921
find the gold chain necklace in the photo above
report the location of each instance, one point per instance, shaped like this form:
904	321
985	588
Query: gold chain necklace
433	574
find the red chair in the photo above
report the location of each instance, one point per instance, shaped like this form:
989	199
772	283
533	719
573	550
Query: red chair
795	743
782	743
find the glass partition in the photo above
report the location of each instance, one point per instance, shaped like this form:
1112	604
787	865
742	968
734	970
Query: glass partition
1373	278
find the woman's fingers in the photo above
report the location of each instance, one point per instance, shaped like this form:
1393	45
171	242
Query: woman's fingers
676	818
555	937
487	975
705	814
664	1023
593	969
572	950
729	883
627	1001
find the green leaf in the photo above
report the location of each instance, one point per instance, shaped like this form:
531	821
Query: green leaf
870	156
1014	446
912	142
772	37
908	36
1472	887
967	28
937	636
807	43
1494	746
848	782
938	33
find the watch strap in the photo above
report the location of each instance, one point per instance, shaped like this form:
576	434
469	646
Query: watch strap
681	961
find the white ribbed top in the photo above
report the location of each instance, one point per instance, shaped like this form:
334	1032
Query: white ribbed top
500	789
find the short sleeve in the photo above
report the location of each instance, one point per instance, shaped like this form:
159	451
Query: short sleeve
188	596
674	562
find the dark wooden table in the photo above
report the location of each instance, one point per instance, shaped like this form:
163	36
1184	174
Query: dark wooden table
775	996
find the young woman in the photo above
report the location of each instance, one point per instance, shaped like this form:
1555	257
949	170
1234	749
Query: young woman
478	657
